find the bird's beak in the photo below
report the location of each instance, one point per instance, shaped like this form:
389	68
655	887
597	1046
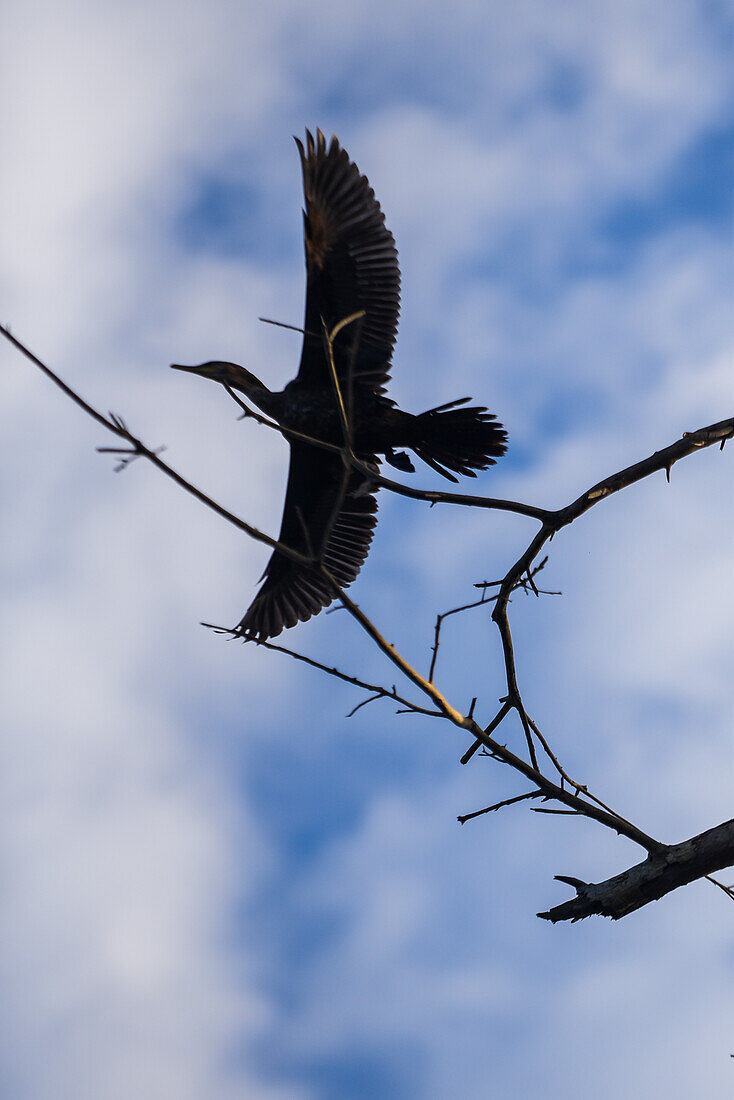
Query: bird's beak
191	370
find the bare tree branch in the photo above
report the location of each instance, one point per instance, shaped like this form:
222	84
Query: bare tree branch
463	818
672	866
573	800
137	449
666	866
525	584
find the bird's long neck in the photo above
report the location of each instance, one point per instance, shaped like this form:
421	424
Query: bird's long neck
237	378
266	400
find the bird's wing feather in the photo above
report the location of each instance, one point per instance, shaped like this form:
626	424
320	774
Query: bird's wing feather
292	592
351	265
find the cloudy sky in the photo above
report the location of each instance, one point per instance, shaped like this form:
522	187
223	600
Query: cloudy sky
213	885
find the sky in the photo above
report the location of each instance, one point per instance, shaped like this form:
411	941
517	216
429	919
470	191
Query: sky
213	884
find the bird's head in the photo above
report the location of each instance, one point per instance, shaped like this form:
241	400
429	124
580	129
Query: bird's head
229	374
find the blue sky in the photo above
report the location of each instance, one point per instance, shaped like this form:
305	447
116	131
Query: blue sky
215	886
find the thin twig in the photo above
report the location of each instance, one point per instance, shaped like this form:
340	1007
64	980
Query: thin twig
463	818
329	338
397	659
345	416
483	600
728	890
282	324
565	777
559	813
567	798
498	718
439	623
378	690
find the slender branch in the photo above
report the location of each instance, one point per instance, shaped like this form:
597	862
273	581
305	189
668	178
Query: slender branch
345	414
433	496
89	409
329	338
567	798
379	692
520	708
463	818
728	890
136	448
398	660
558	813
580	788
483	601
439	623
526	583
282	324
488	731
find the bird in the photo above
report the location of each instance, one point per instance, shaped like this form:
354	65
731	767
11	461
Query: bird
353	286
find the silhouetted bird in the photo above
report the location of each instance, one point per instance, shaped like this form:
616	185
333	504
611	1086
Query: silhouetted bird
351	265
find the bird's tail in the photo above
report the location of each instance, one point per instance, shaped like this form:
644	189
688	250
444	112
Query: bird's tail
462	440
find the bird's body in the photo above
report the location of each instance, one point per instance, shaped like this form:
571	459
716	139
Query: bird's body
352	268
376	424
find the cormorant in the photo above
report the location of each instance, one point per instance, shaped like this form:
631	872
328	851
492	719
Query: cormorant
351	266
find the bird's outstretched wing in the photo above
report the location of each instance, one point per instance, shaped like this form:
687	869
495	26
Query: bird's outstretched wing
351	265
293	592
